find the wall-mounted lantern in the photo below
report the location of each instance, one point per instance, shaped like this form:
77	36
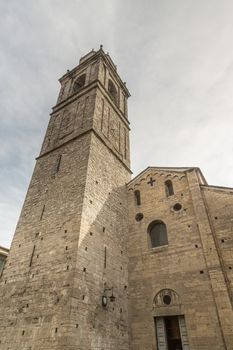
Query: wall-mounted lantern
112	297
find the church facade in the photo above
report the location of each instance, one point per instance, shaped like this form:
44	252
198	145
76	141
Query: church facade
102	262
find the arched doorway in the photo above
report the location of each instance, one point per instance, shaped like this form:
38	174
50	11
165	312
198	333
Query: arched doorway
170	326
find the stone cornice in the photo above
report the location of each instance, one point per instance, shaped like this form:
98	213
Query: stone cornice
94	84
79	136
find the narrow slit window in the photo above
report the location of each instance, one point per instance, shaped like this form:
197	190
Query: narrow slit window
112	91
137	196
58	163
125	144
169	188
102	115
32	255
105	257
42	213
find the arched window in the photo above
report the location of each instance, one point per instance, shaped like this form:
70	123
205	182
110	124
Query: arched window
79	83
157	232
169	188
112	91
137	197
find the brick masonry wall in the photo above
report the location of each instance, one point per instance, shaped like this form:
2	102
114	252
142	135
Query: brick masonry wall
37	281
102	257
69	244
77	238
220	208
213	260
180	266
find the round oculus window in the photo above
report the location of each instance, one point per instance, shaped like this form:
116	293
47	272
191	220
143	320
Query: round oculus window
177	207
167	299
139	217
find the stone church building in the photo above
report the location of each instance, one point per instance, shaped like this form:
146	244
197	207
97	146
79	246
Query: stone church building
100	261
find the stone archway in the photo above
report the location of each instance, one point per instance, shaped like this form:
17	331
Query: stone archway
170	327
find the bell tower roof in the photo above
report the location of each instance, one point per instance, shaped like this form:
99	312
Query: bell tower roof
92	98
92	56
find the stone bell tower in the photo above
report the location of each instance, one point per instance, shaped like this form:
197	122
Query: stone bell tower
65	282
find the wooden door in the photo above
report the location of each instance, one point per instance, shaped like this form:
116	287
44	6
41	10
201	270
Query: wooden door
161	333
183	333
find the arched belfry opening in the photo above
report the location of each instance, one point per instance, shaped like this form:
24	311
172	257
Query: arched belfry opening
112	91
79	83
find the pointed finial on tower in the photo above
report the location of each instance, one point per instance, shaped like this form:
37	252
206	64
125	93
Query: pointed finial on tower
101	47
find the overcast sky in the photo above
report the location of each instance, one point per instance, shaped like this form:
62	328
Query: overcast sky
175	55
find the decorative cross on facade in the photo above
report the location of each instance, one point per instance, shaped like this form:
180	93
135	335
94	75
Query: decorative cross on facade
151	182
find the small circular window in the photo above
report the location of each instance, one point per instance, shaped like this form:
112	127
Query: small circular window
177	207
167	299
139	217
